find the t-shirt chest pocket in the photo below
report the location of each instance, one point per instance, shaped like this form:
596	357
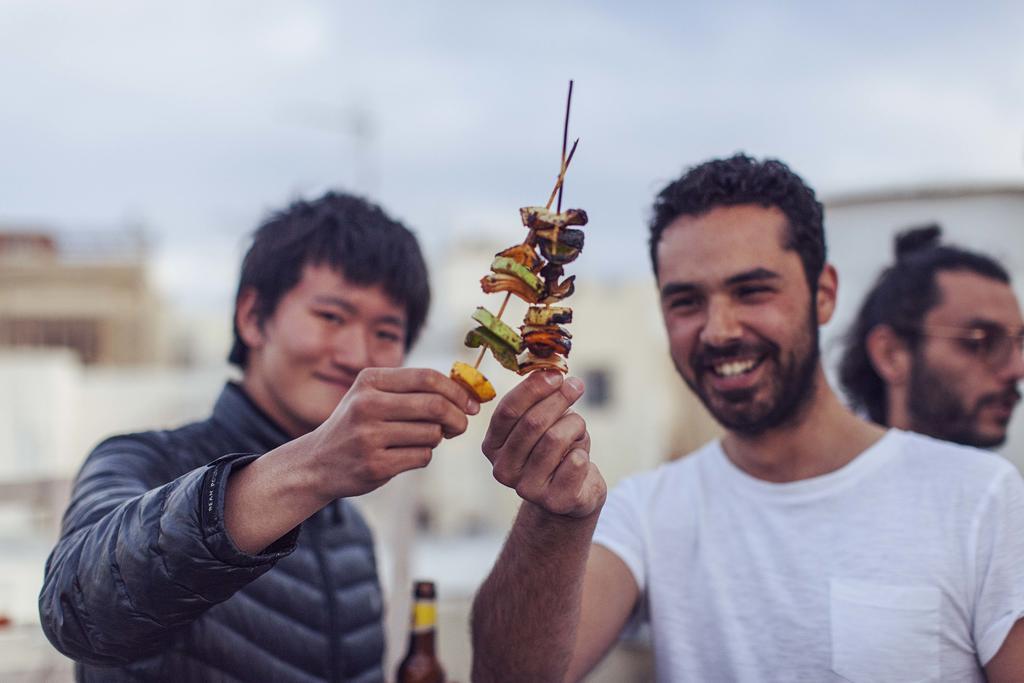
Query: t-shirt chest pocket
883	633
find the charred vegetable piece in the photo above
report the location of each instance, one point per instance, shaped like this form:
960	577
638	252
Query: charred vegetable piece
473	380
524	255
481	336
500	282
498	328
569	237
532	362
548	315
557	253
551	272
542	350
549	329
561	291
544	345
543	340
504	264
538	217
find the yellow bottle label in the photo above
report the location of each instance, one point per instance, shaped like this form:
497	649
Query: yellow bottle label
424	616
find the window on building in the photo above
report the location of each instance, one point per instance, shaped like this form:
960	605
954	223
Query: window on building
78	334
598	391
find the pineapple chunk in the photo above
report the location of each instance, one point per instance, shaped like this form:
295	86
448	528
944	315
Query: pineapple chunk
473	379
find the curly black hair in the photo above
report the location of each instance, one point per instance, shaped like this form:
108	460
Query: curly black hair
900	298
741	179
346	232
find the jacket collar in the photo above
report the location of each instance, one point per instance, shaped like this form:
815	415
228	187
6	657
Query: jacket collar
236	413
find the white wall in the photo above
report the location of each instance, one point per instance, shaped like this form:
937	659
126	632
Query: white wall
38	395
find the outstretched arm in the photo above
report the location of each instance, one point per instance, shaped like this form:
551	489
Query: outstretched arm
552	605
389	422
134	562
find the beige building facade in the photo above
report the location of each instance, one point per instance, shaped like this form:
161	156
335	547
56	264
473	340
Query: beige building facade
94	299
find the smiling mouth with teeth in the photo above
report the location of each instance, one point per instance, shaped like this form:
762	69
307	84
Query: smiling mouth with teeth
736	367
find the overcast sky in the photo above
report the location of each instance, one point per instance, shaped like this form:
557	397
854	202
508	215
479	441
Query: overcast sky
195	118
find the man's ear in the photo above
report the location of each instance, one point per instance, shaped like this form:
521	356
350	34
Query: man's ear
889	354
247	320
825	299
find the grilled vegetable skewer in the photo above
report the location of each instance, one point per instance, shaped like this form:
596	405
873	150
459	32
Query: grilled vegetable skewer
537	279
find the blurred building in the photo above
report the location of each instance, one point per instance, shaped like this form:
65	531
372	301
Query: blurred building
84	352
82	331
88	293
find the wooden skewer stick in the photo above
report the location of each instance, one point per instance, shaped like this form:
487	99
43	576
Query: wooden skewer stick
483	350
561	176
565	139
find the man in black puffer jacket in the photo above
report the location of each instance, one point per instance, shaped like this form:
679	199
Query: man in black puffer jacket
225	550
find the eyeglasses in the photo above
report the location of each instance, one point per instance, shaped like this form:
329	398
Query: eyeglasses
995	347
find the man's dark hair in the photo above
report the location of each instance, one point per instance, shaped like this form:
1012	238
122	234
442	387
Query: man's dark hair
900	298
743	180
347	233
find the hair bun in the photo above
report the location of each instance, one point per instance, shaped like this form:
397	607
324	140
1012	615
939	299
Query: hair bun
917	239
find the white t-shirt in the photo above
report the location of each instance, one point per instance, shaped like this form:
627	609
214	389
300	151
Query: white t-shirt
905	565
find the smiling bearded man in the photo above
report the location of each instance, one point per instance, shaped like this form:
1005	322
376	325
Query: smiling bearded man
740	409
807	545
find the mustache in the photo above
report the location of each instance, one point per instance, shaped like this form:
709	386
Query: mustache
706	355
1010	396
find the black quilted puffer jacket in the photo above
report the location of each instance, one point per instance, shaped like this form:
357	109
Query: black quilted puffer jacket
145	583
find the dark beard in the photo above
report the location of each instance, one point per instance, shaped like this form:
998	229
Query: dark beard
792	389
936	410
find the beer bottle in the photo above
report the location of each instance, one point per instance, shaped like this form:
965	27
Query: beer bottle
420	664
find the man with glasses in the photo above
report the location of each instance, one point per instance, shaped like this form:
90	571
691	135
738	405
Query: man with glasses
937	345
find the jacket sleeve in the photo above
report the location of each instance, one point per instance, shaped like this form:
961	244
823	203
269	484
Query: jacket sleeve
134	563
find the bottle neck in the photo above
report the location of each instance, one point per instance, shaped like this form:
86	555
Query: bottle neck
422	643
424	626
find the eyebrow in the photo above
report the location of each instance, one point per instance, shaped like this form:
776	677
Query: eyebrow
992	325
352	309
347	306
673	288
755	274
